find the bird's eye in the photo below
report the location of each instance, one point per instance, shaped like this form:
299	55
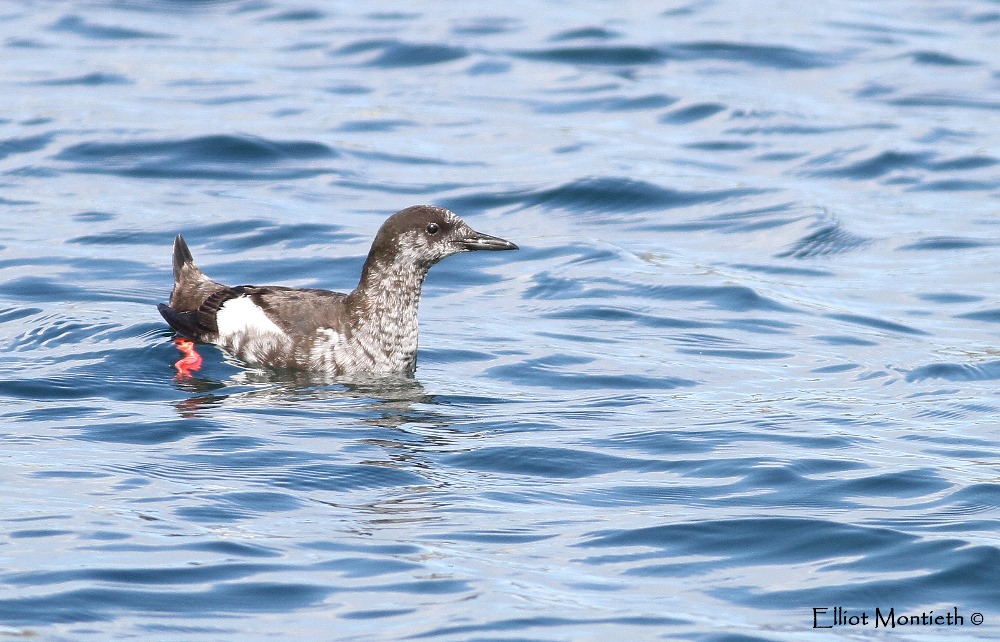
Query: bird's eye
432	228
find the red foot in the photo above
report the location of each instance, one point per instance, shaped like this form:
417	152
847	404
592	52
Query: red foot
191	362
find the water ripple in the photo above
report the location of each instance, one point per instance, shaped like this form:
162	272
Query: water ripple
611	55
987	371
81	27
101	604
829	238
691	113
210	157
945	100
561	373
880	324
11	146
779	57
598	195
879	165
939	59
394	53
613	104
88	80
948	243
549	462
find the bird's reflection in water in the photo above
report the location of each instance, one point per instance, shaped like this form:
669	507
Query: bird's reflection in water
392	396
204	395
382	424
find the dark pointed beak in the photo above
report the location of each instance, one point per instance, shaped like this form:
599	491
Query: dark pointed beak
479	241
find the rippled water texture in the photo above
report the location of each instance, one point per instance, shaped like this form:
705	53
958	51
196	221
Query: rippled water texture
744	365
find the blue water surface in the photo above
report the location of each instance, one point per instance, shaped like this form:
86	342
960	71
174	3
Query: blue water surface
743	367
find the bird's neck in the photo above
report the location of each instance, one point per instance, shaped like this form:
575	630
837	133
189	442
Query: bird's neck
385	305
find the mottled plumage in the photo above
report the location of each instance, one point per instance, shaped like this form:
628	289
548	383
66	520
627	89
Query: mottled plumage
371	330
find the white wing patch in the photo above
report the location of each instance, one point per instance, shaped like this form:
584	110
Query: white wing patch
330	336
329	349
242	316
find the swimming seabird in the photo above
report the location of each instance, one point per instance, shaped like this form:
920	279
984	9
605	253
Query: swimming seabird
371	330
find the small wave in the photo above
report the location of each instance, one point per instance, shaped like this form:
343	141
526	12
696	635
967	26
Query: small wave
95	79
406	159
991	316
751	355
956	185
769	56
349	89
987	371
505	628
623	195
376	125
639	103
882	31
80	27
124	237
947	243
830	238
13	314
236	235
880	324
94	604
948	298
692	113
48	388
804	130
54	331
149	433
617	56
902	484
218	148
782	270
877	166
938	59
11	146
539	372
611	314
840	367
597	195
772	56
738	221
345	477
734	298
964	163
214	156
983	497
945	100
39	288
746	541
965	571
296	15
548	462
396	53
585	33
487	26
721	146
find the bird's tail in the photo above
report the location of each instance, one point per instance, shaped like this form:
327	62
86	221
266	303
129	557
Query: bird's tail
183	261
191	286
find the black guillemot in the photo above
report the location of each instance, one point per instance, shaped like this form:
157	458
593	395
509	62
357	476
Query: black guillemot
372	330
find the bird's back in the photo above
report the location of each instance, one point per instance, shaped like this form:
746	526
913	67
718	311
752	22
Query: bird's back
274	325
